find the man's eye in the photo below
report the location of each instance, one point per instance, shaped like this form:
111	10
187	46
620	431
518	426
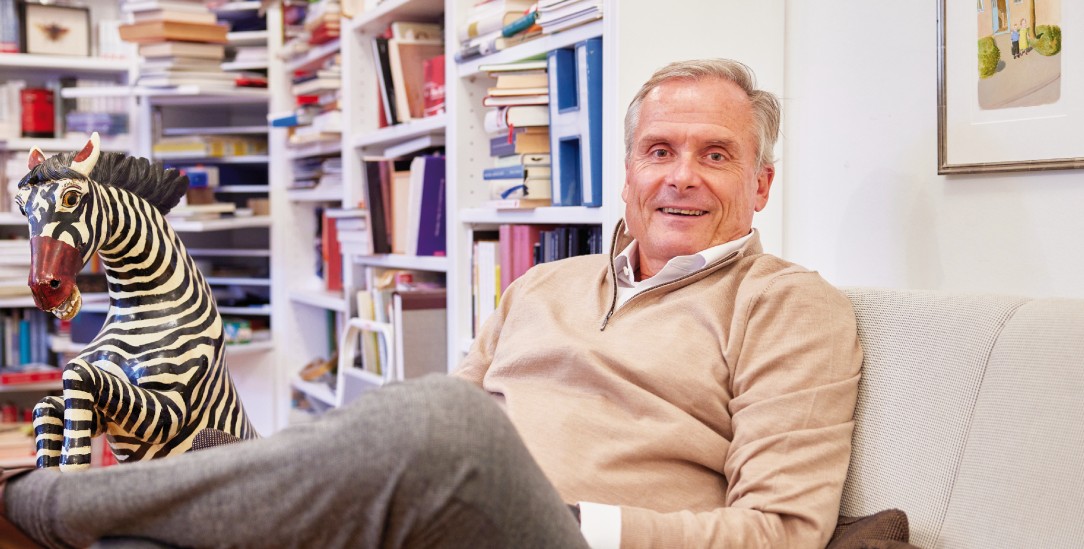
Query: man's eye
660	153
70	199
716	157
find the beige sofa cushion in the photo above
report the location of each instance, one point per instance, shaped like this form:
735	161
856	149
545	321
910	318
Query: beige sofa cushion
1021	480
925	356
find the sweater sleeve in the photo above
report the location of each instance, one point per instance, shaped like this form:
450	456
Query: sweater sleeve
794	383
474	366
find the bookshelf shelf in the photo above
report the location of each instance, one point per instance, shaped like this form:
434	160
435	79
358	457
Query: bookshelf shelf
31	387
227	252
97	91
17	302
216	130
11	219
317	194
201	95
244	189
64	144
313	58
392	135
233	349
252	5
226	224
318	391
536	47
557	215
320	148
260	310
376	20
237	281
67	63
332	301
397	261
204	159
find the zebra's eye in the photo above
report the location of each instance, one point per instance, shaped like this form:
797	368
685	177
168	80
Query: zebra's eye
70	199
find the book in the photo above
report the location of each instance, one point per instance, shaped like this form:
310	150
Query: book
174	16
515	116
432	220
485	276
160	31
433	91
137	6
527	79
331	254
172	48
518	171
521	140
420	326
407	59
513	91
511	100
382	61
150	65
518	203
29	373
490	16
515	67
376	173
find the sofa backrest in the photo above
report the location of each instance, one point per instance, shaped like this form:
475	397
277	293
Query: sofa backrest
970	418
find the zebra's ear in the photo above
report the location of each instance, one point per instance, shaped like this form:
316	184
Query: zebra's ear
36	157
85	159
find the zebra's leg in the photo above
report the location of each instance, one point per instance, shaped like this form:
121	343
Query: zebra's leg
145	422
48	431
82	420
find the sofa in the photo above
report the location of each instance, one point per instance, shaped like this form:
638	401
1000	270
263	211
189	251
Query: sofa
970	418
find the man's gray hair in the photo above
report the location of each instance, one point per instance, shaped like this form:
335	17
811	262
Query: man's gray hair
766	106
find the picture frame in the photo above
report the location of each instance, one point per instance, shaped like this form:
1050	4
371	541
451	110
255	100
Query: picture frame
1006	99
54	29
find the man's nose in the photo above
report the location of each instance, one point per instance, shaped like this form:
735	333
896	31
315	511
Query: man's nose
684	173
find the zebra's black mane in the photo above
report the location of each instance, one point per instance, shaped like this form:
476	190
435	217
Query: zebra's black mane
149	180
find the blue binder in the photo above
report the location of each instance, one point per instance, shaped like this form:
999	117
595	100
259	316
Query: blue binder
575	86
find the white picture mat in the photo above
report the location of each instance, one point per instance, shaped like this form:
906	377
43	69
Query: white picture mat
75	42
1044	132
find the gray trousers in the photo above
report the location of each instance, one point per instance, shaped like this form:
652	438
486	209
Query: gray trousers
426	463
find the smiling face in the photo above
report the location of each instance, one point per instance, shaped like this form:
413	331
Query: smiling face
692	180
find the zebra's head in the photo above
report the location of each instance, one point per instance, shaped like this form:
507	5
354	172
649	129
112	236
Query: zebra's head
57	201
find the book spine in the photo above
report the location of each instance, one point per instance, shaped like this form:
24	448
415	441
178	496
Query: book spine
504	172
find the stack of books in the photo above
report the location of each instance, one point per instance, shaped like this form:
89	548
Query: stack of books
318	115
558	15
409	61
180	43
518	125
309	24
14	266
494	25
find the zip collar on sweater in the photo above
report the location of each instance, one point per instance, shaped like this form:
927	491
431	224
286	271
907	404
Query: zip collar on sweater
621	239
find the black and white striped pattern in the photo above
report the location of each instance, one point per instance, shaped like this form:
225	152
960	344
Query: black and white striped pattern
155	375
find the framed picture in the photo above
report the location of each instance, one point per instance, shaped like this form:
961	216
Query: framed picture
56	30
1007	98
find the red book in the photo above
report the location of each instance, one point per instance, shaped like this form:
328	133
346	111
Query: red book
16	378
333	257
433	91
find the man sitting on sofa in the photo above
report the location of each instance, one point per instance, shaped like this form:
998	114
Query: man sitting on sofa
687	390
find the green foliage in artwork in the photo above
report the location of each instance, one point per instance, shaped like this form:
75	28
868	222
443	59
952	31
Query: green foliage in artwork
1049	39
989	56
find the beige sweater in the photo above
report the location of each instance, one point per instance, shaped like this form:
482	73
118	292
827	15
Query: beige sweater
716	409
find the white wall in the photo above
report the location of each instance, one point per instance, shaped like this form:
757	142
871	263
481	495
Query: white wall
863	204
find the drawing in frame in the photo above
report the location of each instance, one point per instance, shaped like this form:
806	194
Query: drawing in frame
1006	99
54	29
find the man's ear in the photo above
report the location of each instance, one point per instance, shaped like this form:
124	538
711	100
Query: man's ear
764	185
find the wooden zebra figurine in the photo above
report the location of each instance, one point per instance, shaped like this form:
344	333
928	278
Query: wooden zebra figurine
155	375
